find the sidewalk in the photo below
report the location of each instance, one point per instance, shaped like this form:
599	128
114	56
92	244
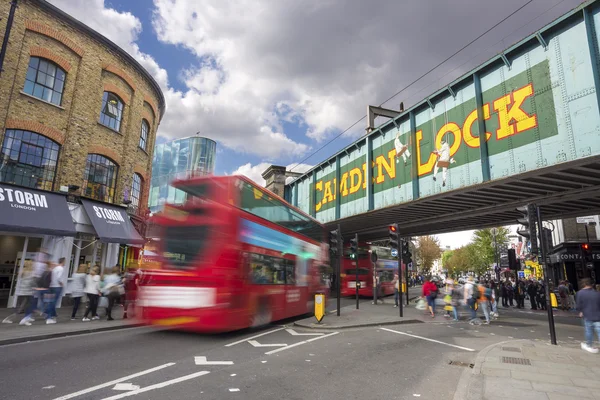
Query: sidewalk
369	315
524	369
15	333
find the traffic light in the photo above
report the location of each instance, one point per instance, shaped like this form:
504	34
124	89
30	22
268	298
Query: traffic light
354	247
334	237
513	265
586	252
406	254
528	221
394	236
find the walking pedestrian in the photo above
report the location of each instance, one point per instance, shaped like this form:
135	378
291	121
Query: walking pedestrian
24	292
113	288
77	288
92	290
430	291
396	283
56	286
588	305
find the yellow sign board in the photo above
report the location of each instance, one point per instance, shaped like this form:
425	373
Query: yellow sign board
319	306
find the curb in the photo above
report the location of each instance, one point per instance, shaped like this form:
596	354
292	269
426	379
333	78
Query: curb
337	327
471	383
26	339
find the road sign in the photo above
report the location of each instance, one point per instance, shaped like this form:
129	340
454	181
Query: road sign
521	274
319	307
586	220
394	252
410	266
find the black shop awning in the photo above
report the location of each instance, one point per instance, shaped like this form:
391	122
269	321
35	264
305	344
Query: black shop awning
34	211
112	224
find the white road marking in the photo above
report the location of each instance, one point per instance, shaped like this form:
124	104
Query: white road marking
264	361
201	360
158	385
307	360
430	340
253	337
299	343
256	344
294	333
234	390
126	378
49	387
233	375
126	386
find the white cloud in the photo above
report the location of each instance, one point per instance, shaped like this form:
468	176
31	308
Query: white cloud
254	172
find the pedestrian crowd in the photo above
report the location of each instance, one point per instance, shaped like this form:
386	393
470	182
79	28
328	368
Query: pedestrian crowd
41	285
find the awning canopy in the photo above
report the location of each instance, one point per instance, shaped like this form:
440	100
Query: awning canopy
34	211
112	224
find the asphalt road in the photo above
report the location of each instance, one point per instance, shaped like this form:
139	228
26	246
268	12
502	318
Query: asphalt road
395	362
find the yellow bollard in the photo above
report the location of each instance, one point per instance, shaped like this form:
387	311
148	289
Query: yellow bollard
319	306
553	301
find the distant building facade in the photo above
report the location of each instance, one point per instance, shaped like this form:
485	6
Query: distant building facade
177	159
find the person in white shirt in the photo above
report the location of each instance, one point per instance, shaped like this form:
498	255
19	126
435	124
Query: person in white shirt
56	286
92	290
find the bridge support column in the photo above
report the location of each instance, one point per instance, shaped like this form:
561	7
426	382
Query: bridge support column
275	179
338	185
483	147
369	175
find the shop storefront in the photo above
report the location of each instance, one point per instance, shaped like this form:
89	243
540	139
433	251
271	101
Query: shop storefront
567	263
29	220
83	232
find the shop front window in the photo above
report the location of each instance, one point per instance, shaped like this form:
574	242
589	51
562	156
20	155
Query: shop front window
28	159
100	178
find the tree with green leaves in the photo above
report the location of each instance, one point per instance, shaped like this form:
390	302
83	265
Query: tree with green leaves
428	250
483	240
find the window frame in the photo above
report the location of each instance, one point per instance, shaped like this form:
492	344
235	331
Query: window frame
106	118
87	173
44	86
138	199
145	124
50	147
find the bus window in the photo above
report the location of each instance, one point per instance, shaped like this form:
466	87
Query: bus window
361	271
268	270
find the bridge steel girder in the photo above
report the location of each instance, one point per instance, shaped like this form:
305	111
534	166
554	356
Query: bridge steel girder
512	169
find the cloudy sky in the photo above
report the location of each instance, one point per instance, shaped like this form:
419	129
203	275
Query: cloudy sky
272	81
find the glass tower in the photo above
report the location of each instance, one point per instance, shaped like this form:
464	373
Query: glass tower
180	158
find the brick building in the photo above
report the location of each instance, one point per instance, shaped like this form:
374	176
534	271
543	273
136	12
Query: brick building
78	115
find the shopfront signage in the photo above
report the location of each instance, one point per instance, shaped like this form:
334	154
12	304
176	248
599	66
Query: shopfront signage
27	210
111	223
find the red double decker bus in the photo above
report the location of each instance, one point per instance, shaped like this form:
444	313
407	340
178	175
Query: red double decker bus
233	256
385	267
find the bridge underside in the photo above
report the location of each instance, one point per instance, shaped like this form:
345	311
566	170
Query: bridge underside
568	190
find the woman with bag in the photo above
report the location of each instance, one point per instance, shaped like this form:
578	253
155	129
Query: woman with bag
92	290
113	289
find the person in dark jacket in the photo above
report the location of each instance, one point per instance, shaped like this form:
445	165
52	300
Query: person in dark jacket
532	292
588	305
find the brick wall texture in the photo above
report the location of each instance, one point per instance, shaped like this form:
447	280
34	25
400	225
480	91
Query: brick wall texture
91	67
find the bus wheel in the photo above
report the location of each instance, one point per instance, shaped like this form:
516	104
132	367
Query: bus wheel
262	316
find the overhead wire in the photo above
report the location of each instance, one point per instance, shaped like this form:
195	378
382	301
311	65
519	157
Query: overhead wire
415	81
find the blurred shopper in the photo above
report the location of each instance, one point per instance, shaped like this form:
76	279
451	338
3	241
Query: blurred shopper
113	288
56	287
92	290
77	288
24	292
588	305
495	297
396	283
430	292
532	290
485	298
470	295
131	288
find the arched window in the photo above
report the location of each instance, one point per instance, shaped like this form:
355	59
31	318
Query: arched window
100	178
112	111
144	134
28	159
45	80
136	190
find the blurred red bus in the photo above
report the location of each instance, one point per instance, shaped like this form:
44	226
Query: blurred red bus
233	256
386	267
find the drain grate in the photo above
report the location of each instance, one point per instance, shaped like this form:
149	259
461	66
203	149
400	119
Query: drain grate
516	360
515	349
461	364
